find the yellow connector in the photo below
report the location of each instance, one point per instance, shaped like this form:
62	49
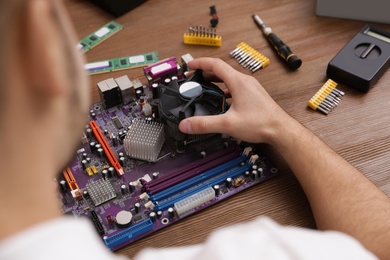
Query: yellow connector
199	35
89	171
94	170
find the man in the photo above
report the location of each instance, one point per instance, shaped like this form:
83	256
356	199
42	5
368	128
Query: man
43	106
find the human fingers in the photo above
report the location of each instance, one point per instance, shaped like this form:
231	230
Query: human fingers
204	124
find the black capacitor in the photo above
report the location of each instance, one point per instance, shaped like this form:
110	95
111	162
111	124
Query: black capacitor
171	213
100	152
137	207
155	90
155	175
114	140
180	142
63	185
229	182
84	156
85	194
153	216
111	171
260	171
159	214
255	175
247	175
97	146
88	160
105	174
105	132
254	167
122	161
131	187
216	189
123	189
92	146
93	115
138	93
121	154
84	163
88	132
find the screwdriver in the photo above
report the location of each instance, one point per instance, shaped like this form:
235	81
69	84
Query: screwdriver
293	62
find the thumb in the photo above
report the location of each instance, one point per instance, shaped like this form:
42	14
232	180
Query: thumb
203	125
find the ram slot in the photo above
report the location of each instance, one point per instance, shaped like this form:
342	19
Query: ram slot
181	174
73	186
106	147
197	179
163	205
129	233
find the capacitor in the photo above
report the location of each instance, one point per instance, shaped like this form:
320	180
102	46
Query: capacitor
92	146
114	140
167	80
155	90
84	155
105	132
159	214
131	187
155	175
93	115
247	175
85	194
123	189
88	132
242	163
137	207
171	213
216	189
255	175
121	154
63	185
153	216
138	93
100	152
105	174
97	146
174	78
254	167
229	182
203	154
88	160
111	171
122	161
84	163
260	170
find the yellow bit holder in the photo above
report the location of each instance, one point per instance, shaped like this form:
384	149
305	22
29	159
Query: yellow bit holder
326	98
199	35
249	58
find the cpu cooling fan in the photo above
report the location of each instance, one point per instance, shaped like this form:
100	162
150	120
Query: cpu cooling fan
194	96
180	99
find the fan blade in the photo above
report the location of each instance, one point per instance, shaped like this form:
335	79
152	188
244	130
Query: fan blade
168	102
201	110
188	112
173	85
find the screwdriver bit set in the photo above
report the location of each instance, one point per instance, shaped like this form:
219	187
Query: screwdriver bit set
199	35
327	98
249	58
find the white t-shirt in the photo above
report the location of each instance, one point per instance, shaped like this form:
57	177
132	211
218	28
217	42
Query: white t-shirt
68	238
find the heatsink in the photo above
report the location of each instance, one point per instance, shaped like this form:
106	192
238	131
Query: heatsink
144	140
100	191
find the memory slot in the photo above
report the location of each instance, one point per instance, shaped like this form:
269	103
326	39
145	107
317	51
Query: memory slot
197	179
171	178
220	179
129	233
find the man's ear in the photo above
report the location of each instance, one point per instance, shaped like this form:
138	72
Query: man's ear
43	52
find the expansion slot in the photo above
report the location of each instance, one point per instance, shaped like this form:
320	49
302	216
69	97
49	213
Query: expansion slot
99	36
197	179
179	175
123	63
163	205
106	147
129	233
73	186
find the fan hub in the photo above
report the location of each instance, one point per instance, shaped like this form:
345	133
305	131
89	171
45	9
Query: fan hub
190	89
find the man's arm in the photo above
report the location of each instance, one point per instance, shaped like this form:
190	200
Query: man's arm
341	197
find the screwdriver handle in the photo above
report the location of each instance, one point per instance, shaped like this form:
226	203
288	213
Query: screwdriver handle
284	51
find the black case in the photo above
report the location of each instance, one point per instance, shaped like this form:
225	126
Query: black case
118	7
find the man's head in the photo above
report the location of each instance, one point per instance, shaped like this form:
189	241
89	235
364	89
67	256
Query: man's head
43	89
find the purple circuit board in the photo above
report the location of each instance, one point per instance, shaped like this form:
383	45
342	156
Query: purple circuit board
151	195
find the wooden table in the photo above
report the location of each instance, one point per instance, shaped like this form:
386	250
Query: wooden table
358	129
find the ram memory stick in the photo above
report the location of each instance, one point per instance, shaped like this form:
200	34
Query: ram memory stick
99	36
124	63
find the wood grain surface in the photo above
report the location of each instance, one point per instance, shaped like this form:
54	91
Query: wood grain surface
358	129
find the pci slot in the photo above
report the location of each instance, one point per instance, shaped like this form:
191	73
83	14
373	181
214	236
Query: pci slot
107	149
163	205
129	233
198	179
192	169
73	186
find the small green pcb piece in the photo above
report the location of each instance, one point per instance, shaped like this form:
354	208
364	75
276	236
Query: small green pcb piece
99	36
124	63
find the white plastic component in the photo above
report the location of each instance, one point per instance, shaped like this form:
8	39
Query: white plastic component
194	201
103	31
97	65
254	158
147	178
149	205
247	150
137	59
144	196
147	109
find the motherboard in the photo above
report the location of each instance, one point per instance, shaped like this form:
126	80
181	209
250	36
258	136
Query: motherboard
136	173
